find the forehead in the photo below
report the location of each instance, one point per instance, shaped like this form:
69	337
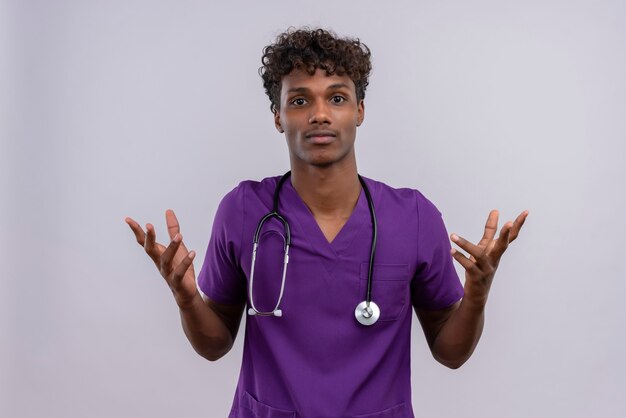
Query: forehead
299	79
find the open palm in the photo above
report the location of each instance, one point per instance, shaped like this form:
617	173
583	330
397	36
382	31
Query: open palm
174	262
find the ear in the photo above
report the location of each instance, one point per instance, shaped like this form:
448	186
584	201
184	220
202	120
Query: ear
279	128
361	113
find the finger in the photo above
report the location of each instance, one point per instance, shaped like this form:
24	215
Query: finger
169	253
181	269
491	226
150	245
471	249
467	264
517	225
140	236
502	242
173	227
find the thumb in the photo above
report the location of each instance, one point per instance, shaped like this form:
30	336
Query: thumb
173	227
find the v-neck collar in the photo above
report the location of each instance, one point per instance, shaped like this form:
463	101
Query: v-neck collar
359	219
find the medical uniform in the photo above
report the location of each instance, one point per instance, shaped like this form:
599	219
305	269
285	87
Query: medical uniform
317	360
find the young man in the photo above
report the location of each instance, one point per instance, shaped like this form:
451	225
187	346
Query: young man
330	335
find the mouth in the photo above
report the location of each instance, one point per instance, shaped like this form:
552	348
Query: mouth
321	137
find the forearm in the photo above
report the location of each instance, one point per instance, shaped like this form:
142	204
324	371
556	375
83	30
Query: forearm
205	330
459	336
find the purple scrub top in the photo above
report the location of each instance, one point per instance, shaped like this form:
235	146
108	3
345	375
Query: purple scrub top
317	360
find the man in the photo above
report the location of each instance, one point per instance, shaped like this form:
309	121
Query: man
329	336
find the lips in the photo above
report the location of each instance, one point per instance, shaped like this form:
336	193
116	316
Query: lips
321	137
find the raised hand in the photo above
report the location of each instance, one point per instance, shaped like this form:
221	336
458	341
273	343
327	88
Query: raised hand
174	262
481	266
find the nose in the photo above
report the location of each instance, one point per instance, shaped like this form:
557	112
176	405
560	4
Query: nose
320	113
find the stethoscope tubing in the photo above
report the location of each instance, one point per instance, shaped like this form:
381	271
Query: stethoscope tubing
366	312
370	271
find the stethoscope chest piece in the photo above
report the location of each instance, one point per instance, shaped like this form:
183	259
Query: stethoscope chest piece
367	313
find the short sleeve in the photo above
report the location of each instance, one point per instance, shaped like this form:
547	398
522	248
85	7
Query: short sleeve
221	278
436	284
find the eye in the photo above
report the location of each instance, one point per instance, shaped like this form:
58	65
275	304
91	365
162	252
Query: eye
298	101
338	99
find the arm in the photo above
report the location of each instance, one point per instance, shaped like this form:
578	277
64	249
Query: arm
453	333
211	328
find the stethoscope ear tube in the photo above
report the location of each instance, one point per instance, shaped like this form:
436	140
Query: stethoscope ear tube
287	241
253	311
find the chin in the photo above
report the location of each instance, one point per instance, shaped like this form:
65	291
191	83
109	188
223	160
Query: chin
322	158
323	161
322	164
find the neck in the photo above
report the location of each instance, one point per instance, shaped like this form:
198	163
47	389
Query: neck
329	192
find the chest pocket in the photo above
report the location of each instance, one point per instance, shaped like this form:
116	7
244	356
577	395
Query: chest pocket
398	411
390	289
251	408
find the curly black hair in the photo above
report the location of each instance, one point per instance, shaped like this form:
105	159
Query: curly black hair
310	49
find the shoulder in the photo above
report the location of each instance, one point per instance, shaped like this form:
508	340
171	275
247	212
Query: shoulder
245	201
247	189
406	197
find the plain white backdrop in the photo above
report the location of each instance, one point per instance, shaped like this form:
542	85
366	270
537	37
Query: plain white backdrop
128	108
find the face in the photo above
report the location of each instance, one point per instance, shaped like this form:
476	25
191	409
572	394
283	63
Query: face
319	115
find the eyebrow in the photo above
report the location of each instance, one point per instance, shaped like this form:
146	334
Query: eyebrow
331	87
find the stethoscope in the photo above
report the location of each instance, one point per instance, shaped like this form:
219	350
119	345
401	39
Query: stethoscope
366	312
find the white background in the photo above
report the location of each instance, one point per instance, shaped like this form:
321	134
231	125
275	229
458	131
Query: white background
126	108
